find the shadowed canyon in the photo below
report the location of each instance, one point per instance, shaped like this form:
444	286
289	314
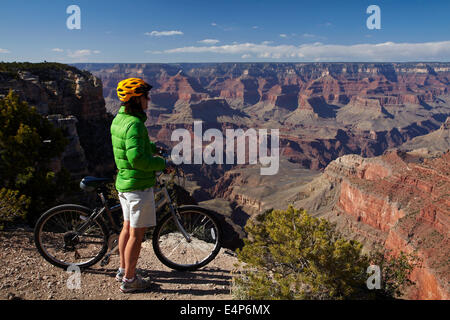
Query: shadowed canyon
365	145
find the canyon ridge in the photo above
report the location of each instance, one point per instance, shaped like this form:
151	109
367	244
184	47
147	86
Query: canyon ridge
365	145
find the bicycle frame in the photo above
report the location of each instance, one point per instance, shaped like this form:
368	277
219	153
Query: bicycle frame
166	199
160	191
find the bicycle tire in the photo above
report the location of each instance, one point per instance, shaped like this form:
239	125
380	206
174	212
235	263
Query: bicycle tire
184	210
54	211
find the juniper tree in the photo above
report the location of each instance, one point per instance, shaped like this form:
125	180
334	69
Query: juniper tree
291	255
28	142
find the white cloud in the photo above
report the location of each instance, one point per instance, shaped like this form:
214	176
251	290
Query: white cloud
388	51
81	53
214	24
255	27
246	56
4	51
209	41
57	50
164	33
283	35
309	35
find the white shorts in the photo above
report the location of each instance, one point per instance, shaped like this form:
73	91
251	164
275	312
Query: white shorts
139	208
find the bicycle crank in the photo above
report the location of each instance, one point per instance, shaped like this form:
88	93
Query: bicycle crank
105	260
113	247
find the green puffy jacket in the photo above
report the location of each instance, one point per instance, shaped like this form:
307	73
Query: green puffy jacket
133	153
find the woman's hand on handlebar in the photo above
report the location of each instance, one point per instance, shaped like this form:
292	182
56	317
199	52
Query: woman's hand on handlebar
170	167
162	152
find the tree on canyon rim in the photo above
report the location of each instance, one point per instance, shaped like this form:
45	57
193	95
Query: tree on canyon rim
291	255
28	143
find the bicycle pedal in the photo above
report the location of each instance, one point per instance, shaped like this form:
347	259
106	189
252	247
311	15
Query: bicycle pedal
105	261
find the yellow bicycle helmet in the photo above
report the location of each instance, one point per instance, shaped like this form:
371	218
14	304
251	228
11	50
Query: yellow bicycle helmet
132	87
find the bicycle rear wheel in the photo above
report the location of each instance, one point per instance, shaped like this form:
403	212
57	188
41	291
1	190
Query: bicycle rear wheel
172	248
58	241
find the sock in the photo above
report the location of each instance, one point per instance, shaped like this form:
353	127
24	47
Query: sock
121	270
128	280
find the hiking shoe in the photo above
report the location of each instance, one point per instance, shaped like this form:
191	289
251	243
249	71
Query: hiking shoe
138	284
119	276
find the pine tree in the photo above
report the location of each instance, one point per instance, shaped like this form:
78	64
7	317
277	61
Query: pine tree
291	255
28	142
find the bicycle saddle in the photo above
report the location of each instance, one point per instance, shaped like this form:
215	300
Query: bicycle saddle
92	183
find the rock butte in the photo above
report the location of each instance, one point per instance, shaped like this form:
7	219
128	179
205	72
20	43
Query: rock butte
330	116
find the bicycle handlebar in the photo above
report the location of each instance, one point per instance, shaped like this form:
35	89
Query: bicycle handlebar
170	166
163	153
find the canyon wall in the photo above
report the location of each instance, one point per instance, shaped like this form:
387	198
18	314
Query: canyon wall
73	101
323	110
283	85
398	201
331	117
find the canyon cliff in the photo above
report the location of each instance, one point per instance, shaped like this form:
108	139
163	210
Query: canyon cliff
323	110
73	101
361	144
403	200
364	145
398	201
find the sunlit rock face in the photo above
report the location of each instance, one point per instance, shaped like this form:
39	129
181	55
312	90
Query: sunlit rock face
73	101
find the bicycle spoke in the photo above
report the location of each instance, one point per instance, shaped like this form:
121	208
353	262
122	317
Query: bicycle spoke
195	231
196	220
190	244
196	252
179	242
62	244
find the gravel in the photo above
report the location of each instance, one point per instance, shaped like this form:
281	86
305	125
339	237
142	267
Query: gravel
24	274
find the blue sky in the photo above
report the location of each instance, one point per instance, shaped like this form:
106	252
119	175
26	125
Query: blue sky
224	31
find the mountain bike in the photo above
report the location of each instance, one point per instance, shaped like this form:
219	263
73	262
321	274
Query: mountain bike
188	237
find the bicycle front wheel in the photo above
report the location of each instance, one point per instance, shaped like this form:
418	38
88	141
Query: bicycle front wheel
172	248
57	238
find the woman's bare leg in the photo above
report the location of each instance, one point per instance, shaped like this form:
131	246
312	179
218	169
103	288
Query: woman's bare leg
132	251
123	239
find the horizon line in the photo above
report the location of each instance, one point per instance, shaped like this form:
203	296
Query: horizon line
259	62
237	62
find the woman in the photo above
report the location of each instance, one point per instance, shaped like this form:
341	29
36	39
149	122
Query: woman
133	154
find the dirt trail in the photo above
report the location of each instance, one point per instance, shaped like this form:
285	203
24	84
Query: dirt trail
24	274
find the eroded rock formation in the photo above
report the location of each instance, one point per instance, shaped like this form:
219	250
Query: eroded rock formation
323	110
72	100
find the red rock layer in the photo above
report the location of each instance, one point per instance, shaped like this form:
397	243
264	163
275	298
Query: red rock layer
409	201
282	84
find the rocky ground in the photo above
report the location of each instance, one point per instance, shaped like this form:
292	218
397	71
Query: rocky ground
24	274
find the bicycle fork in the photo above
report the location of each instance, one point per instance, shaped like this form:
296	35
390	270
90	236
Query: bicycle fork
173	211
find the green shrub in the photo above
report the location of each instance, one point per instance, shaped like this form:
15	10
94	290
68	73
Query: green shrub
44	70
28	143
292	255
13	206
395	271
